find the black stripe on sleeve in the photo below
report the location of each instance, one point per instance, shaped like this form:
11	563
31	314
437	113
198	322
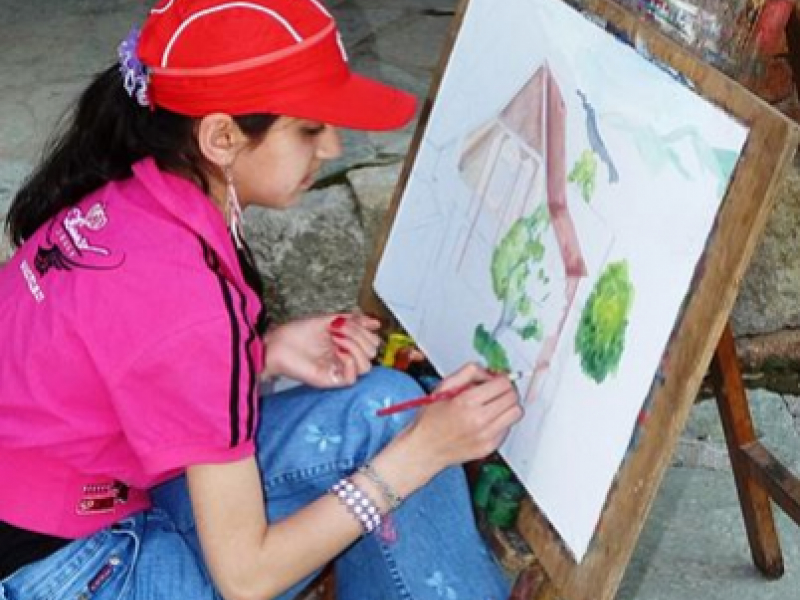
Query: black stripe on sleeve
251	370
235	362
233	400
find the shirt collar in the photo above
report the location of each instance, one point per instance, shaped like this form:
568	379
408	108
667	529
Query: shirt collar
187	204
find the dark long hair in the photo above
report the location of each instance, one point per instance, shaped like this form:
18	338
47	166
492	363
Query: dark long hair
100	139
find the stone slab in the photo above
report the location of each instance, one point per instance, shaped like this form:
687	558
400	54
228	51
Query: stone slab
694	546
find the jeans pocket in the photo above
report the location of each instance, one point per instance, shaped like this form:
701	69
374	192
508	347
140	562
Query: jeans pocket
108	582
108	575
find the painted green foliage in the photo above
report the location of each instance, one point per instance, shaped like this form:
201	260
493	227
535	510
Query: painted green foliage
491	350
584	174
600	339
513	262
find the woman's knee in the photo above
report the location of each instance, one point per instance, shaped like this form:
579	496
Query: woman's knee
390	384
304	429
380	389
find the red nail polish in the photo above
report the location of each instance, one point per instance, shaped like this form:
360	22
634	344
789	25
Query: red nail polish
338	322
338	335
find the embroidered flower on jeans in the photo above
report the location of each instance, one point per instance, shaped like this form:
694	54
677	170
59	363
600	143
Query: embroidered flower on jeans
436	581
374	405
320	437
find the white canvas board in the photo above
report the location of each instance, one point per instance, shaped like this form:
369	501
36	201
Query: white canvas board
531	90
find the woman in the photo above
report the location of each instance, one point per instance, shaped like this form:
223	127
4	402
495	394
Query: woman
138	459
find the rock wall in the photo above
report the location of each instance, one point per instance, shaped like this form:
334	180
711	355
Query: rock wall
769	298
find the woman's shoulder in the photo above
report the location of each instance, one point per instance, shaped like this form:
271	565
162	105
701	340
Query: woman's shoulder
153	224
125	261
118	236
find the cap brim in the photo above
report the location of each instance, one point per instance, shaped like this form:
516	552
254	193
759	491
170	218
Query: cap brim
359	103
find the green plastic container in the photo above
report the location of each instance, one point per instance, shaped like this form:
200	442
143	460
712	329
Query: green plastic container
490	475
504	503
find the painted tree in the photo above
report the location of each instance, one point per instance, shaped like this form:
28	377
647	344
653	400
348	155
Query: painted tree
584	174
600	339
516	259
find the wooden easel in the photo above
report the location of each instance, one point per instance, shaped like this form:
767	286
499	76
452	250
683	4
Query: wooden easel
702	336
760	477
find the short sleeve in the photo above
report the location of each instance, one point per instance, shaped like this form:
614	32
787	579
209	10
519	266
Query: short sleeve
192	398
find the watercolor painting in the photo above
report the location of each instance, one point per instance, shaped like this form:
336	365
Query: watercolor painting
560	201
516	169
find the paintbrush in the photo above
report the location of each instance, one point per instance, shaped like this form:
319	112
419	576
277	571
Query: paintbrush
439	396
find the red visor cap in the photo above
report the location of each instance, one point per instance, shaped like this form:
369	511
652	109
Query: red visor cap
283	57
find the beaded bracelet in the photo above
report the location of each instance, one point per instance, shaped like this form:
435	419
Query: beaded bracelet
358	504
393	499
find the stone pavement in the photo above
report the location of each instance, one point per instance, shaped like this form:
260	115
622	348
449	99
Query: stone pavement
693	544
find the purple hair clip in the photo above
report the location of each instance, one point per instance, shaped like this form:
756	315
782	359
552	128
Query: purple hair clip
135	77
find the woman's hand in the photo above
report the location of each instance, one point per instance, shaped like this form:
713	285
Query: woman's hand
471	425
326	351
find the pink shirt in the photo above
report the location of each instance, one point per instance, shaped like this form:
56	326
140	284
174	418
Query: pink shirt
130	353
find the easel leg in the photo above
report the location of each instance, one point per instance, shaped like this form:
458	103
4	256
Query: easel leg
533	584
739	434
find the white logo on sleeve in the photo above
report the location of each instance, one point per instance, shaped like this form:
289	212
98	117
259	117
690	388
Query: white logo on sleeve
33	283
94	220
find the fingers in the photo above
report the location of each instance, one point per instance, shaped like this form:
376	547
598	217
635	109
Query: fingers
366	321
471	373
485	410
507	412
495	420
488	390
343	371
354	335
350	351
497	405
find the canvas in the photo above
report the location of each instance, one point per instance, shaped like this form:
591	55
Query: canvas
560	202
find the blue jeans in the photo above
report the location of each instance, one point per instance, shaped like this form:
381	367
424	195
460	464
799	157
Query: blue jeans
307	440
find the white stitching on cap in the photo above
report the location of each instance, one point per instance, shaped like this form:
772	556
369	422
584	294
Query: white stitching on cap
247	63
321	8
339	41
158	11
342	49
203	13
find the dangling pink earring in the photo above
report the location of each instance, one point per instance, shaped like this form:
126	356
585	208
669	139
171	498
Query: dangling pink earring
233	209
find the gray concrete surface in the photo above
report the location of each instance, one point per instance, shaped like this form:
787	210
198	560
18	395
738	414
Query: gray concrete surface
693	544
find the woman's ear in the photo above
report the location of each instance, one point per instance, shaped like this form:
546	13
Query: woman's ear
219	138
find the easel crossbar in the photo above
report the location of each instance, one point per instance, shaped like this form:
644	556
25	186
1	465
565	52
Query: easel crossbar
780	483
